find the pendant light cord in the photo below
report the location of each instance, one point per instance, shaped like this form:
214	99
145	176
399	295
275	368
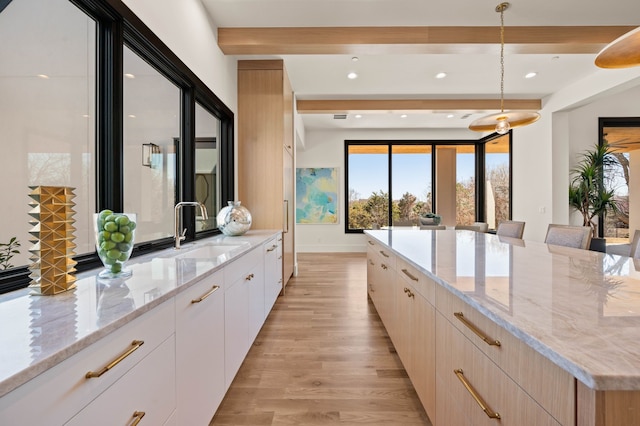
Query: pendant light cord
502	58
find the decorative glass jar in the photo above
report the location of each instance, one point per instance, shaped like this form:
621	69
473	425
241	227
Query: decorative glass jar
115	236
234	219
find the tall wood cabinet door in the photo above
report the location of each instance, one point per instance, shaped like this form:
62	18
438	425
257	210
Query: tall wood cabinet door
424	349
200	350
289	217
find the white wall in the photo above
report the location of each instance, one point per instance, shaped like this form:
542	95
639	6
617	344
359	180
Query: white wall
325	148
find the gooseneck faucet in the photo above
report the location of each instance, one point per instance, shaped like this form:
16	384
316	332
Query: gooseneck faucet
179	236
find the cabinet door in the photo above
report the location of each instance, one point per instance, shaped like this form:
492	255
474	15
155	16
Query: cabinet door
200	350
148	390
289	217
236	328
272	274
255	282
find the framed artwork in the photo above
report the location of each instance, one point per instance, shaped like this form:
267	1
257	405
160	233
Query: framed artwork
317	195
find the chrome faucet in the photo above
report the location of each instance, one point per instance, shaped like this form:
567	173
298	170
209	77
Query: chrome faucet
178	236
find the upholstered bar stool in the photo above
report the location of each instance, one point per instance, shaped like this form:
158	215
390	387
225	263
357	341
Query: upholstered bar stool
510	228
569	236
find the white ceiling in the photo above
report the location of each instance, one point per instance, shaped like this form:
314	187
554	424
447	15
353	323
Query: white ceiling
406	76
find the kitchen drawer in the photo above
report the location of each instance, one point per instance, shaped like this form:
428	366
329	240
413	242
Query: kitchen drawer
499	393
423	285
57	394
148	390
239	267
551	386
385	255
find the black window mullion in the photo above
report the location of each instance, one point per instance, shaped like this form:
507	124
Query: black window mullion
389	180
185	184
109	149
480	182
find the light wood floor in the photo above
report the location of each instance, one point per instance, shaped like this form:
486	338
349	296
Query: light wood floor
323	357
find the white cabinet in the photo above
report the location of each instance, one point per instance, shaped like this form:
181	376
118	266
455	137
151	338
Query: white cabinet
200	350
244	309
147	392
272	272
56	395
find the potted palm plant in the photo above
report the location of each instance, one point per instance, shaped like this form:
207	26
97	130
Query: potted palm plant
590	192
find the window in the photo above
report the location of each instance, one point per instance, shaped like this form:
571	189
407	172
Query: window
151	117
623	136
77	109
497	180
207	160
395	182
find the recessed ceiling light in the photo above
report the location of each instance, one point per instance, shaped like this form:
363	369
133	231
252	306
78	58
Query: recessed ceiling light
531	74
131	116
355	59
403	116
352	75
441	75
43	76
449	115
85	115
129	75
358	115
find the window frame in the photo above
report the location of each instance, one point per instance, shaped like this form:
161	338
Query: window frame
117	26
479	170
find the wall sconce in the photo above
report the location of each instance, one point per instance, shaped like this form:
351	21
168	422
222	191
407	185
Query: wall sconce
148	151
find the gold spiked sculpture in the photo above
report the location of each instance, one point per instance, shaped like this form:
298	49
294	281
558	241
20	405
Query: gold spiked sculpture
53	246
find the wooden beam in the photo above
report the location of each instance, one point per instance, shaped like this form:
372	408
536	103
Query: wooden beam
352	106
387	40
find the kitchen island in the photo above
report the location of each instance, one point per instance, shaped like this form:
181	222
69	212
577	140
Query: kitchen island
558	325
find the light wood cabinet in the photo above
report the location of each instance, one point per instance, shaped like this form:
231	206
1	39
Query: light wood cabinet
474	390
199	350
266	150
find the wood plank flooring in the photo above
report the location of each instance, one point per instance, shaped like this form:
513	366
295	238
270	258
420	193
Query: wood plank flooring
323	357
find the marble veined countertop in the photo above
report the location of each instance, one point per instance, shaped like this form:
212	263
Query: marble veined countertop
578	308
39	332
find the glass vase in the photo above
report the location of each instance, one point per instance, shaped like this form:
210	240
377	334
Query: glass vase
115	236
234	219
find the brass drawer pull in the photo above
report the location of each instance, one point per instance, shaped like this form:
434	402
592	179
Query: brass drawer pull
273	247
478	333
474	394
249	277
134	346
383	266
407	273
371	242
207	294
383	253
371	263
137	416
410	294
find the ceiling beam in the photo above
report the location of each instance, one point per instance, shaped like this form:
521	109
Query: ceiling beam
411	40
353	106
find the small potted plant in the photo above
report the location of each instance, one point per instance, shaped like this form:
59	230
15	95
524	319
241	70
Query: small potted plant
430	219
7	251
590	192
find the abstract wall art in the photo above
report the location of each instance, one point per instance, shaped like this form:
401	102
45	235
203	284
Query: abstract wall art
317	195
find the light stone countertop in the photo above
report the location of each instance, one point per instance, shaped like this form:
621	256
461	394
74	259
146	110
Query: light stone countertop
39	332
578	308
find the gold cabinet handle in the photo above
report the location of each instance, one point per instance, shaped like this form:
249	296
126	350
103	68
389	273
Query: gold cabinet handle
249	277
207	294
383	253
407	273
371	263
410	294
134	346
137	416
475	329
406	290
273	247
383	266
474	394
371	242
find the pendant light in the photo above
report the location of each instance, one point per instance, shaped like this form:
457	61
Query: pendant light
504	120
623	52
